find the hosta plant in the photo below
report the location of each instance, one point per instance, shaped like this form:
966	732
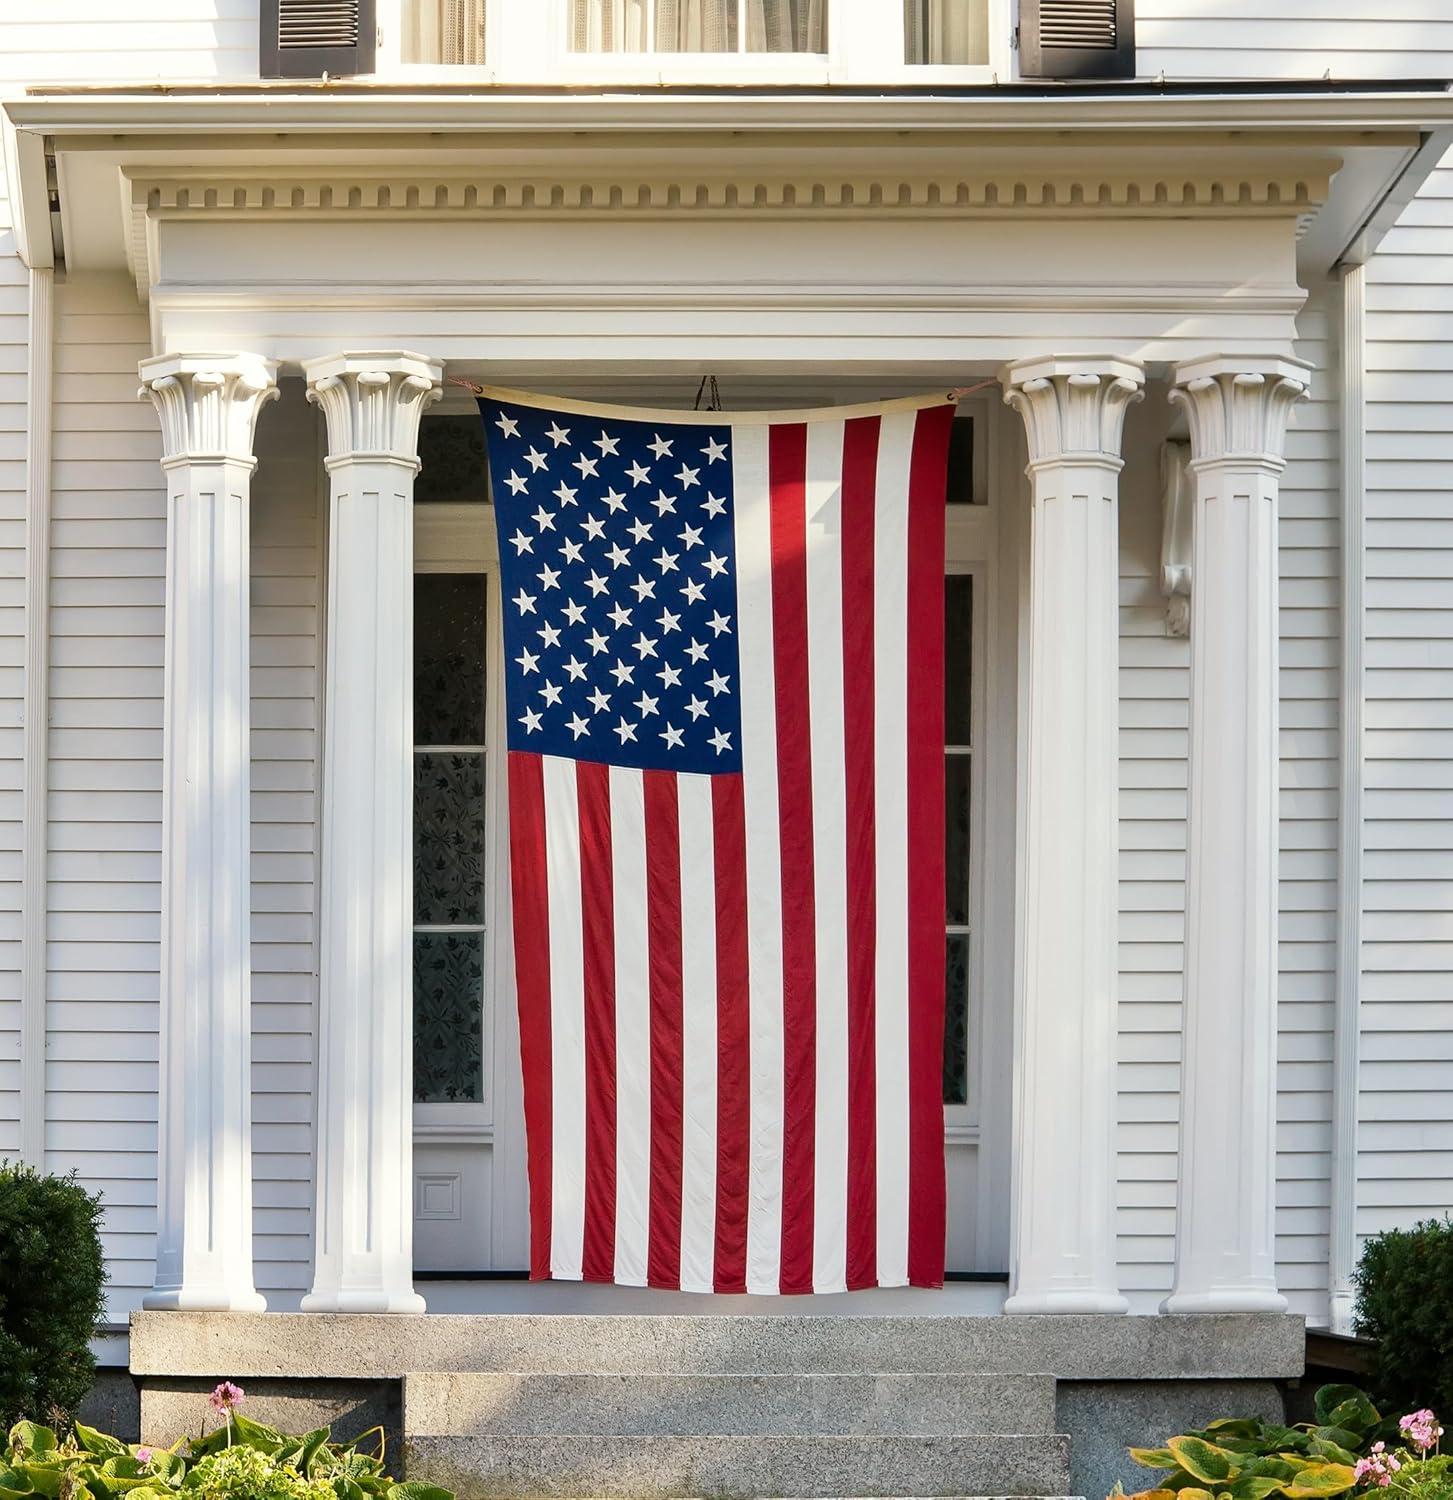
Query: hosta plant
1244	1458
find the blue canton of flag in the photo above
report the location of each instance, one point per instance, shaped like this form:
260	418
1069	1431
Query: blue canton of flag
618	588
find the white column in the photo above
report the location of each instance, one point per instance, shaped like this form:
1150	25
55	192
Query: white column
208	405
1062	1258
364	1224
1225	1240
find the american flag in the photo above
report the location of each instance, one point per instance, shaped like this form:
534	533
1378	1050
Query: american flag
724	693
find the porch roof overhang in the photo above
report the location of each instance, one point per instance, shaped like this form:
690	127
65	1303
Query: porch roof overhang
100	174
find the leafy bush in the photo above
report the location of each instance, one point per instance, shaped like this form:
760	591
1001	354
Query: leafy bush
1248	1459
242	1460
1405	1302
51	1281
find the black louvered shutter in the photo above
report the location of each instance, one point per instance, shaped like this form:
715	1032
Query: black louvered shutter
307	38
1077	38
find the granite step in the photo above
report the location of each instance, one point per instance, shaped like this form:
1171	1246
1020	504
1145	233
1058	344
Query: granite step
738	1467
478	1405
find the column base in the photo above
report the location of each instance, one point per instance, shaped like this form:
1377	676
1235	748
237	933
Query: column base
1231	1299
204	1299
1066	1301
364	1300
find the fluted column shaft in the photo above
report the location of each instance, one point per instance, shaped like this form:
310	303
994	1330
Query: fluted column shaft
1225	1240
1063	1231
364	1225
208	406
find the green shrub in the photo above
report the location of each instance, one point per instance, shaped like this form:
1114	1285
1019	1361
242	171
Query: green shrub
51	1280
1405	1302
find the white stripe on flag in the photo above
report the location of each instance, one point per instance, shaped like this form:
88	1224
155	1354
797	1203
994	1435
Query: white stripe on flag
890	740
698	1034
752	507
633	1025
829	851
567	1019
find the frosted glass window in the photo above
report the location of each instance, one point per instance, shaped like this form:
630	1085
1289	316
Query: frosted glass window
946	31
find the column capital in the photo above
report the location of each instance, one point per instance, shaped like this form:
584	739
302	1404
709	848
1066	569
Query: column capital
208	404
372	401
1237	406
1073	406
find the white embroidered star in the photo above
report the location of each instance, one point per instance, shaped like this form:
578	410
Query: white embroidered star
665	560
622	672
695	707
696	651
531	720
574	612
626	731
638	473
522	543
620	614
549	577
715	565
668	622
596	584
596	641
713	450
640	529
693	591
721	740
672	736
645	645
575	668
670	676
557	434
544	519
550	634
663	503
614	500
524	602
618	556
508	425
599	700
571	550
687	477
720	623
550	692
606	443
528	661
586	465
577	726
660	446
516	483
564	494
536	460
717	683
713	505
646	705
691	536
593	527
644	588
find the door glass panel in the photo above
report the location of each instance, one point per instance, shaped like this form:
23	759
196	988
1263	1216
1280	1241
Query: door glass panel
958	782
448	1017
956	1021
449	659
448	838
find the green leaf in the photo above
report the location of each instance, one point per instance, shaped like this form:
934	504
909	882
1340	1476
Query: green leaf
98	1442
1321	1479
32	1438
1203	1460
312	1445
416	1491
1191	1493
45	1479
1327	1448
1330	1397
254	1434
13	1482
1224	1427
1253	1486
1155	1458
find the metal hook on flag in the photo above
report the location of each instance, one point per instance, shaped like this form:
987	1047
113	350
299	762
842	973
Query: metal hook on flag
960	391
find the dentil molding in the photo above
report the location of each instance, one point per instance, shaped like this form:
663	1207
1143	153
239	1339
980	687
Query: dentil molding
372	403
208	404
1237	407
1073	408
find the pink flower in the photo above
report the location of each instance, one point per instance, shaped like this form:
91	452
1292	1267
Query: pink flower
226	1398
143	1456
1378	1468
1421	1429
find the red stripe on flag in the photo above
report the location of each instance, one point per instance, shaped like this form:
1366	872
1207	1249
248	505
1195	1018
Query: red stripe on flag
860	468
597	907
663	918
787	481
926	484
733	1034
531	905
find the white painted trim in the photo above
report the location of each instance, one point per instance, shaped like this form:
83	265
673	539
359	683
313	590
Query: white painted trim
40	356
1346	1049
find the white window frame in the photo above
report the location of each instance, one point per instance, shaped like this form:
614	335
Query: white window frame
527	43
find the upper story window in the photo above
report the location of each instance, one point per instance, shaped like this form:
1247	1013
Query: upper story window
698	26
946	32
443	31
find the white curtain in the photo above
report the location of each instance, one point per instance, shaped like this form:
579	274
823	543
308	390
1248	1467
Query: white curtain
946	31
699	26
444	31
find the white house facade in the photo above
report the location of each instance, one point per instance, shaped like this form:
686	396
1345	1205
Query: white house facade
1187	269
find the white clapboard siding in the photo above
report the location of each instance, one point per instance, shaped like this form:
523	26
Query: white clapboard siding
14	326
1293	39
286	668
1405	1161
